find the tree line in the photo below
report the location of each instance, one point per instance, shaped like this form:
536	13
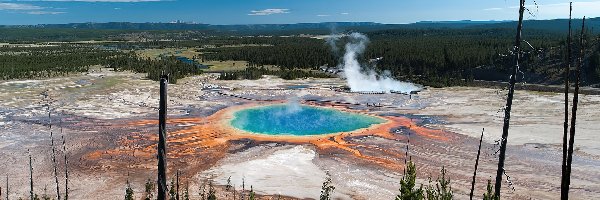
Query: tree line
437	57
44	62
62	60
176	69
253	73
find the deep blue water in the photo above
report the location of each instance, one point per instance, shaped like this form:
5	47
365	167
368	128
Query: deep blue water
290	119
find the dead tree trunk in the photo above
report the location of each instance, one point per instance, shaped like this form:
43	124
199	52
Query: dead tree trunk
53	152
406	154
55	167
574	111
30	177
66	167
476	164
563	192
177	186
162	139
7	187
7	191
507	109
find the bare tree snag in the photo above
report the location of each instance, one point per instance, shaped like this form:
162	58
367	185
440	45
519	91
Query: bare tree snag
574	108
507	109
162	139
563	192
476	164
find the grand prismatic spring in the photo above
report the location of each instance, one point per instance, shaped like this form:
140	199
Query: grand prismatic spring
294	119
206	140
283	138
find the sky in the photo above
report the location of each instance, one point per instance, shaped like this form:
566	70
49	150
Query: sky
26	12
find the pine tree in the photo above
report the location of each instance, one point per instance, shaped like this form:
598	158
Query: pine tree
212	194
172	192
327	188
128	192
442	189
407	185
489	195
149	190
251	195
430	191
202	192
186	193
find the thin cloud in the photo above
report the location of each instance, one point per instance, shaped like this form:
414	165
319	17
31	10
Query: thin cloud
269	11
323	15
492	9
44	13
344	13
19	6
28	9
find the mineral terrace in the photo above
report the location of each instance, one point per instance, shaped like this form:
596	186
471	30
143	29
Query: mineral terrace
109	122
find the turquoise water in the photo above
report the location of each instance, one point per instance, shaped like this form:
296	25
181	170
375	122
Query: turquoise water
293	119
191	62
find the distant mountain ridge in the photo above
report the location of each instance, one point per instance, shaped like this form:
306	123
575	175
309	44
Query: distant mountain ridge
196	26
555	25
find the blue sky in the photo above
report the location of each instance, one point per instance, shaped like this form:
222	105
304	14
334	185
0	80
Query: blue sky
279	11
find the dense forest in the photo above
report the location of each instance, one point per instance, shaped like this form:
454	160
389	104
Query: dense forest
122	30
254	73
437	57
170	65
49	61
284	52
52	61
431	56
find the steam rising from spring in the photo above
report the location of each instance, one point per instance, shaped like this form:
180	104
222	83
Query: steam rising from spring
367	80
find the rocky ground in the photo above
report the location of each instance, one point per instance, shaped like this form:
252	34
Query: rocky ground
103	113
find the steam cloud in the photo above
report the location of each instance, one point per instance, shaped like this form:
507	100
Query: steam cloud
293	106
367	80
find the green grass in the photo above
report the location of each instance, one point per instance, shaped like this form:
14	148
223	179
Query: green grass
227	66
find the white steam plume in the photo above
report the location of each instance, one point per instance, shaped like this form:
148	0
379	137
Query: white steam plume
293	105
368	80
331	40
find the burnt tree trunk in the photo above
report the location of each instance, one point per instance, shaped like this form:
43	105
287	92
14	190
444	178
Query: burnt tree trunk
66	167
30	177
563	192
55	165
507	109
476	164
177	185
574	111
7	191
162	137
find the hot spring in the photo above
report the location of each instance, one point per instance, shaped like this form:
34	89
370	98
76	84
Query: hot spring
300	120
